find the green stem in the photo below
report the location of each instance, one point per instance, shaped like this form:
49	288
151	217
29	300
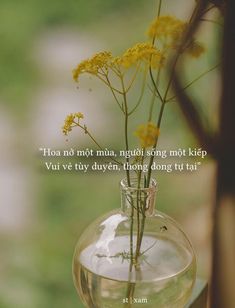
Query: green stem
114	95
193	81
107	84
140	228
155	144
131	286
140	231
93	139
155	85
154	96
163	100
133	78
159	8
141	94
212	21
137	251
126	129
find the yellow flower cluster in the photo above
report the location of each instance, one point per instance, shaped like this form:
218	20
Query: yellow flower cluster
195	49
168	29
144	52
93	64
70	120
140	52
147	133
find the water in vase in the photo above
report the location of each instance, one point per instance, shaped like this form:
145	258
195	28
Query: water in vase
164	277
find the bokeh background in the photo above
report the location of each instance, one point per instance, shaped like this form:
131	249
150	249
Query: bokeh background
43	213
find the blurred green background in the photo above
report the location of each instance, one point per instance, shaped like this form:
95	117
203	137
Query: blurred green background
42	213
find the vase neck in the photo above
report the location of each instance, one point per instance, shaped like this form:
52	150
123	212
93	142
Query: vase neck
137	198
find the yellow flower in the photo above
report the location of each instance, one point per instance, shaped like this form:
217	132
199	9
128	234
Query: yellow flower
70	120
195	49
147	134
144	52
93	64
78	115
168	29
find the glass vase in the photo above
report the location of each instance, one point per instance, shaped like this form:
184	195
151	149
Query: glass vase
134	255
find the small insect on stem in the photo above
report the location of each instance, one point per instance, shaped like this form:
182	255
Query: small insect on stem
163	228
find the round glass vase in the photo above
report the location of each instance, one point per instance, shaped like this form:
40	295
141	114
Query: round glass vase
134	255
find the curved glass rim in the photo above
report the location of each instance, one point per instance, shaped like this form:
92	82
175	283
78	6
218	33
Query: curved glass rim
124	185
